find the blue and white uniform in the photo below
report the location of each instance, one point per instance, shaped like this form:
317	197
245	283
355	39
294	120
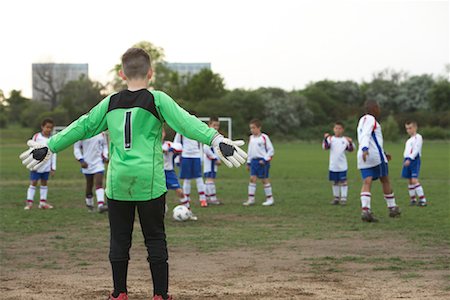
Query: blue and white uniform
93	151
209	162
260	149
413	152
370	138
170	151
191	164
338	160
43	171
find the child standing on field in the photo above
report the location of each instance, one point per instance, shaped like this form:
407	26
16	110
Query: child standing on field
43	172
210	163
411	164
338	144
260	153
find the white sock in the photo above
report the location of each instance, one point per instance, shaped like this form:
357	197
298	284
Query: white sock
365	200
200	188
185	202
43	193
420	193
89	200
336	189
30	193
412	192
390	200
211	188
344	191
100	194
187	189
207	190
251	191
268	191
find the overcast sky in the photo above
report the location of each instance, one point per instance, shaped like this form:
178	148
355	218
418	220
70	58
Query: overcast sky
251	43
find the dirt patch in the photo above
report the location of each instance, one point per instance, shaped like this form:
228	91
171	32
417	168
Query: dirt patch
350	268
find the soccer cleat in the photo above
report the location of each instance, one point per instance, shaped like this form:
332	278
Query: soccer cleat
335	202
158	297
102	208
214	202
90	208
45	205
412	203
28	206
268	202
422	203
203	203
249	203
394	211
122	296
343	202
192	217
367	216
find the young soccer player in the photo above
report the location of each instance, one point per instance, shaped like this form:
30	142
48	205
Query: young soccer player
191	167
411	164
92	154
170	151
373	162
260	153
210	163
135	178
44	171
338	145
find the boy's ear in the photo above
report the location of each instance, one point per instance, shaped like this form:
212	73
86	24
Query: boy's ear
122	74
149	74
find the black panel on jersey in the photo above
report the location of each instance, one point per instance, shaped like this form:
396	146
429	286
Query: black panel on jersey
129	99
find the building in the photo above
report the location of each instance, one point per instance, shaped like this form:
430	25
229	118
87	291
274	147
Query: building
188	68
49	78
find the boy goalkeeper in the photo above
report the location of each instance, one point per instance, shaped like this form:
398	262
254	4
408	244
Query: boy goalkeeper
135	178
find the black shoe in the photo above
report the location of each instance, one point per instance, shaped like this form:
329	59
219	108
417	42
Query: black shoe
412	203
394	212
335	202
422	203
343	202
367	216
103	208
90	208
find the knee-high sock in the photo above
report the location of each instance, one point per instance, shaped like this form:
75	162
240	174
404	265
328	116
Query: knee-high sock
43	193
211	191
200	188
420	193
30	193
412	192
365	200
100	194
119	270
187	189
336	189
344	191
207	190
390	200
268	191
251	191
89	200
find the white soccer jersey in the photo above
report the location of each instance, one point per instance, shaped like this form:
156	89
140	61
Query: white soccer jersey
209	159
93	151
413	147
51	163
170	150
370	137
191	148
260	147
337	147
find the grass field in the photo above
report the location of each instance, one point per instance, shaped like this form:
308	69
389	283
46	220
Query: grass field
302	248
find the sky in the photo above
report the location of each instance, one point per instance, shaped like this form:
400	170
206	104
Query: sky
282	43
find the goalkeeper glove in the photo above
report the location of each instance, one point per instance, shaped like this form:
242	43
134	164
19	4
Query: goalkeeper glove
37	155
228	151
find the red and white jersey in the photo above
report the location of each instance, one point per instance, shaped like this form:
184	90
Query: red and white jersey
413	147
260	147
191	148
93	151
370	137
337	147
51	163
170	150
209	159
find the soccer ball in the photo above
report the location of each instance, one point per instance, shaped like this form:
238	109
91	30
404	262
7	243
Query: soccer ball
181	213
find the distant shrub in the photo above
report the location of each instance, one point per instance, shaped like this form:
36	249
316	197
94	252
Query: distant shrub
390	129
434	133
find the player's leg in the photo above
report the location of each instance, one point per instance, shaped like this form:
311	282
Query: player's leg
121	219
211	189
201	191
89	195
268	192
389	196
336	191
100	192
366	213
251	191
187	190
344	191
418	189
151	217
31	191
412	192
43	191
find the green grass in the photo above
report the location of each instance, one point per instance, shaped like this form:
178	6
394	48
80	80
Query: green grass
302	192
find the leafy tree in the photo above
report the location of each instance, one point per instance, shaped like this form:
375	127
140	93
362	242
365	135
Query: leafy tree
439	95
413	93
390	129
205	85
29	114
16	103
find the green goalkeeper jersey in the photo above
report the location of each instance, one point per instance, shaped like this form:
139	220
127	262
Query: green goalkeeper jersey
134	120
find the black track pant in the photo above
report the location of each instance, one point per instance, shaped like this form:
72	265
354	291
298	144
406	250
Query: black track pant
121	220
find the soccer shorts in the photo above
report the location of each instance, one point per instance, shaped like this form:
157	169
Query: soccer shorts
210	174
172	180
337	176
39	176
191	168
91	174
259	170
375	172
413	170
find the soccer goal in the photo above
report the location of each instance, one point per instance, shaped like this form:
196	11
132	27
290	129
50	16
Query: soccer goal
229	122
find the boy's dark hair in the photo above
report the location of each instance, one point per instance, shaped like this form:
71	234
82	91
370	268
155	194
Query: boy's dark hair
136	63
213	119
256	122
47	121
411	122
369	105
339	123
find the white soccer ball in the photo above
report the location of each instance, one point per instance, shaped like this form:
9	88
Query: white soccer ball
181	213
